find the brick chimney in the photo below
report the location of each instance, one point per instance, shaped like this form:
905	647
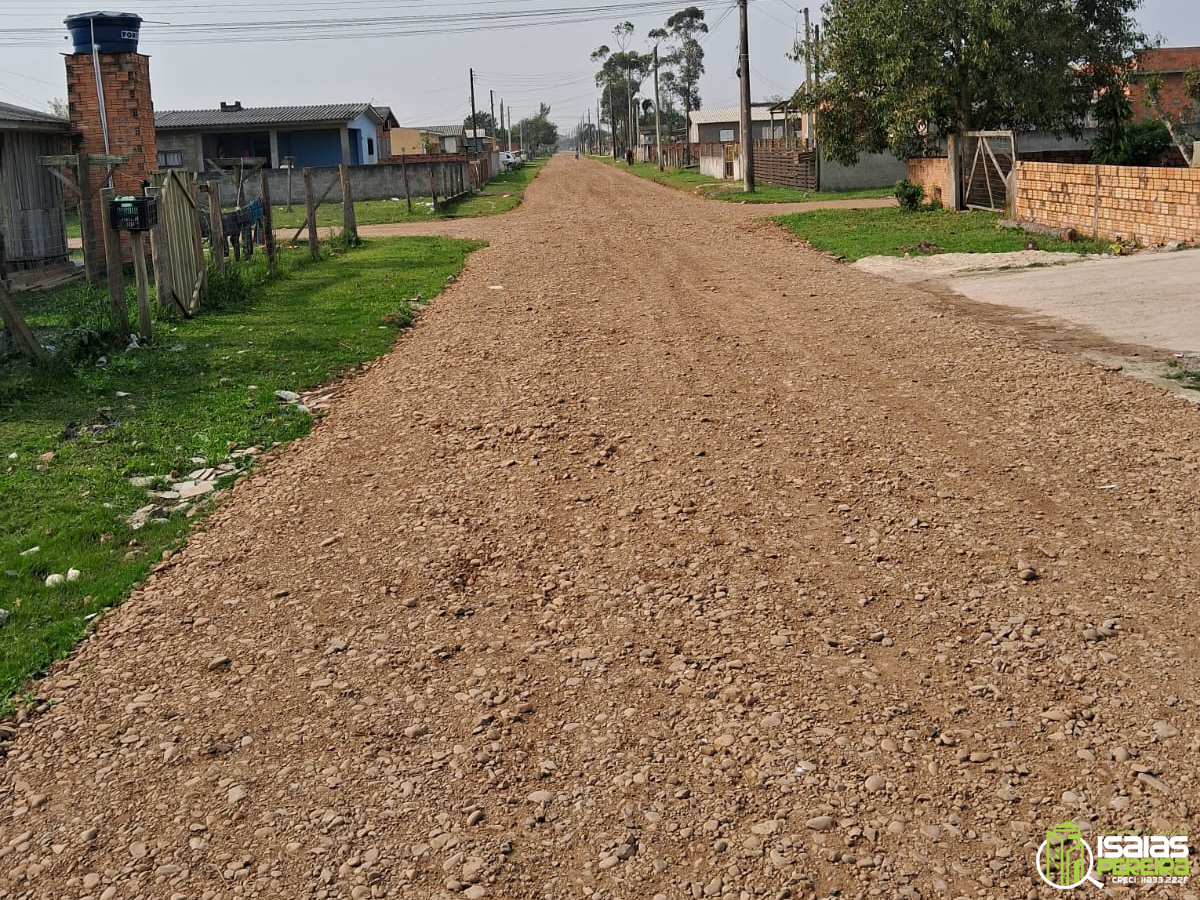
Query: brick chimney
129	110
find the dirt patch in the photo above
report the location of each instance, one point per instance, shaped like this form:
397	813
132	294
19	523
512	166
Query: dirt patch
662	558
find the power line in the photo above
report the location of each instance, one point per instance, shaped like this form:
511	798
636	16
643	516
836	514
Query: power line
360	27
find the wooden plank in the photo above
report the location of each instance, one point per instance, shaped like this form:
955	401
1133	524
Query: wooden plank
143	289
349	222
268	219
23	336
216	230
114	265
310	204
87	227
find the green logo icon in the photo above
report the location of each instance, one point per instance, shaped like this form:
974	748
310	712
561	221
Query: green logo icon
1064	860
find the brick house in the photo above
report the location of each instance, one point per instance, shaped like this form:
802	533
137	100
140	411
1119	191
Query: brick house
1170	64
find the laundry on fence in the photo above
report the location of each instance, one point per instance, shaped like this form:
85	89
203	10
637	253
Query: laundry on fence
242	227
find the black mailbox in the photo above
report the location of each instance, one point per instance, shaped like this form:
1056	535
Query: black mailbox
132	213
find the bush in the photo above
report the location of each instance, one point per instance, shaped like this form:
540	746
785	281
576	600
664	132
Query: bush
911	196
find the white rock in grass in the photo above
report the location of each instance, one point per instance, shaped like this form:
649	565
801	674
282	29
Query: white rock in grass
54	580
73	574
3	616
287	396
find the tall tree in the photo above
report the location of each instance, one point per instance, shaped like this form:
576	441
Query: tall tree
687	58
486	122
893	69
540	134
620	78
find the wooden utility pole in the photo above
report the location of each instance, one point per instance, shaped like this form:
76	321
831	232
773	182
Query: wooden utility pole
612	114
744	78
492	94
808	79
474	123
657	120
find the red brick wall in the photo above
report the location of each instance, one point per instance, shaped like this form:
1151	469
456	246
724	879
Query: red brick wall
1150	206
1173	96
933	174
130	110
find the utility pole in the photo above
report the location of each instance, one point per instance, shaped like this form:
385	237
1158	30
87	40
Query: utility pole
612	113
599	142
495	145
474	123
744	76
808	79
657	121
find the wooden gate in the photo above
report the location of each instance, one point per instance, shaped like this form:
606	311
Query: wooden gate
179	218
987	170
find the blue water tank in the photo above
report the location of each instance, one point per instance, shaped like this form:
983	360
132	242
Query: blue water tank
109	32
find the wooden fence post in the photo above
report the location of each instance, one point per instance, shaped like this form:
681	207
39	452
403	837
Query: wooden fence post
24	338
160	252
349	222
138	248
404	176
268	219
87	226
433	186
314	246
114	265
216	227
201	288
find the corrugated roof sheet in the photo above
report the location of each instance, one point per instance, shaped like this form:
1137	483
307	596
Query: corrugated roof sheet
714	116
334	113
14	116
444	130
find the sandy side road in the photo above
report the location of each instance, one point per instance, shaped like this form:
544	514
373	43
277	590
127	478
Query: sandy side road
689	564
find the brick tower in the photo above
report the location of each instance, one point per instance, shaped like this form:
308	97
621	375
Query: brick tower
128	107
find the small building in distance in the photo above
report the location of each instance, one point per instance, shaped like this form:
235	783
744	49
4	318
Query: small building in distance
723	126
327	135
32	220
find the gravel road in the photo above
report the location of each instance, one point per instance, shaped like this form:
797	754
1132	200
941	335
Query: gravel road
663	558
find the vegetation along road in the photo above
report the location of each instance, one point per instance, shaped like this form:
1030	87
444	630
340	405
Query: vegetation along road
663	557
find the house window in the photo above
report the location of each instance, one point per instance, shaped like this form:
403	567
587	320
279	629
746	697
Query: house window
170	159
370	146
726	136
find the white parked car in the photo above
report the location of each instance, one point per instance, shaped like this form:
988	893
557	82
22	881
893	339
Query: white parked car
510	160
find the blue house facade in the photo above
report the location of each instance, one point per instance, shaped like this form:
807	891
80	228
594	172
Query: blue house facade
309	135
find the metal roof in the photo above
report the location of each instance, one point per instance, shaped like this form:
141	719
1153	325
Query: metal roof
13	117
444	130
330	114
733	114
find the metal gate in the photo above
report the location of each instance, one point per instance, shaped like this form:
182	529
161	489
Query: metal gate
179	214
987	170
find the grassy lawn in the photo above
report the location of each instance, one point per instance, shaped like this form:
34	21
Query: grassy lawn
692	180
74	229
72	437
500	195
855	233
769	193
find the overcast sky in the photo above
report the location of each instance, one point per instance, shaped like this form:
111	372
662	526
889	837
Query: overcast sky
423	77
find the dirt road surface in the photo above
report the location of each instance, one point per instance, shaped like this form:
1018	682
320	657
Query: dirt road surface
687	564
